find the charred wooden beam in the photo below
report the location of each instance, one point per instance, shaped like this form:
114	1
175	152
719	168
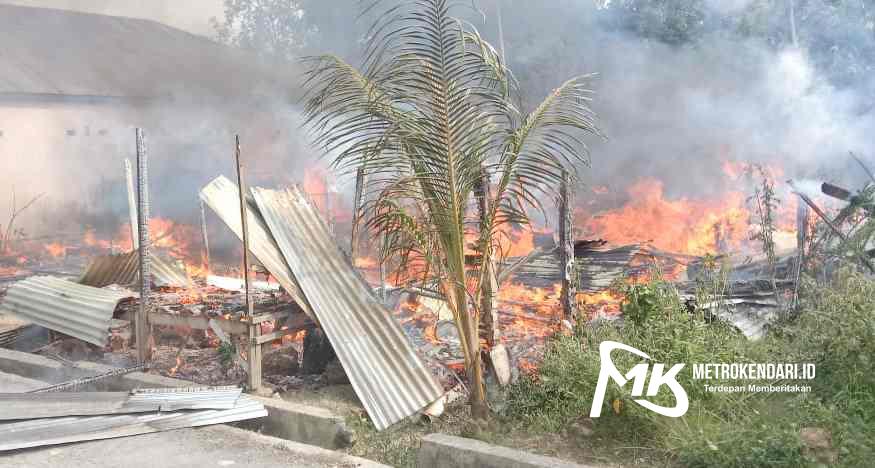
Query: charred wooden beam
357	212
835	191
195	322
566	248
802	215
254	355
489	327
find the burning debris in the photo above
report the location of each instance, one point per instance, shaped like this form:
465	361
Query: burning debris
295	245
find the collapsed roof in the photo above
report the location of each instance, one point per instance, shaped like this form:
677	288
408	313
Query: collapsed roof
292	241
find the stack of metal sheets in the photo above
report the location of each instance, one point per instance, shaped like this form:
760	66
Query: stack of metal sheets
38	419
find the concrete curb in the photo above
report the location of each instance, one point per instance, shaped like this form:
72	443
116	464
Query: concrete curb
302	423
291	421
446	451
328	457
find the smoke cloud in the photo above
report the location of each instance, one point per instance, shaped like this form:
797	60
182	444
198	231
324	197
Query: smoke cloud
672	113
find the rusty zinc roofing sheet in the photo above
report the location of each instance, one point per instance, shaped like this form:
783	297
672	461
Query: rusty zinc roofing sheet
123	269
223	197
388	376
73	309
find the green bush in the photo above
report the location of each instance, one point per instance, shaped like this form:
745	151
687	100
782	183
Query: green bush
563	389
836	331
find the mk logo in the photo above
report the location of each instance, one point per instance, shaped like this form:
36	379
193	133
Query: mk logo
638	374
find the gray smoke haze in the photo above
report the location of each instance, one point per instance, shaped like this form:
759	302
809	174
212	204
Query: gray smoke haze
190	15
675	113
671	113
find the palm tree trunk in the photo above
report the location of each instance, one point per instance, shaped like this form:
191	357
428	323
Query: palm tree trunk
467	323
474	365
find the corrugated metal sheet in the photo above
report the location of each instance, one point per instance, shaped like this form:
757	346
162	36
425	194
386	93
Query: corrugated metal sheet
168	273
223	197
172	399
51	405
73	309
123	269
10	329
53	431
388	376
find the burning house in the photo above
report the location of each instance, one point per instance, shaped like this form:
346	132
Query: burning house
74	87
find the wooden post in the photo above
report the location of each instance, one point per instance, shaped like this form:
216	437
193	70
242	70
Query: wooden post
356	213
380	260
205	237
254	328
566	248
802	214
141	322
132	205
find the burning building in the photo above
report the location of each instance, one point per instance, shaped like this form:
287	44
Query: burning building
74	87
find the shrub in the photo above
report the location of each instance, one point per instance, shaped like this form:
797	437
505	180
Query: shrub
835	331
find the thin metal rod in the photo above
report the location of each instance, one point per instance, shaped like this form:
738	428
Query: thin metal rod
864	166
76	383
141	322
500	31
241	184
206	238
254	347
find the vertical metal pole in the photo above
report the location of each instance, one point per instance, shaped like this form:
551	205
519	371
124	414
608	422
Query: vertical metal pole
254	329
206	238
566	248
500	31
132	205
356	213
802	215
142	319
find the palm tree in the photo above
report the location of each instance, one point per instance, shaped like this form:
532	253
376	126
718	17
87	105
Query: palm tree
433	118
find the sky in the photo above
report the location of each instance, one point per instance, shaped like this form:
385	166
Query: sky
190	15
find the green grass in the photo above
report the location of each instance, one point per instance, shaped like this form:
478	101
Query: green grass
836	331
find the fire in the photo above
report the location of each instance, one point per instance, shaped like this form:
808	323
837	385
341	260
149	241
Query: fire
599	303
366	262
175	368
90	239
681	225
539	300
56	249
